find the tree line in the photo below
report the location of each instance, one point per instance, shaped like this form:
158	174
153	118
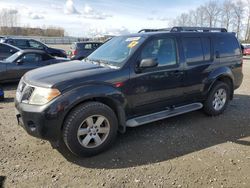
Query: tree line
29	31
230	14
10	25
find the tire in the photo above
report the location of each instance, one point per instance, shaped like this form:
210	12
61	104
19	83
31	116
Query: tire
83	132
210	106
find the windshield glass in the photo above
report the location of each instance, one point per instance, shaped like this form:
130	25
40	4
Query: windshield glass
116	51
13	57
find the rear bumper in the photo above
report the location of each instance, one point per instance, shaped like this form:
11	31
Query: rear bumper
38	122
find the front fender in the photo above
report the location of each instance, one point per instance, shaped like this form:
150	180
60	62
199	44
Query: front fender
70	99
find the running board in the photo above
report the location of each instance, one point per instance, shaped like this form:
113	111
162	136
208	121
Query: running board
163	114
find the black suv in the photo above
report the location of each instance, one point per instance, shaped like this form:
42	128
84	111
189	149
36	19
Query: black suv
34	44
130	81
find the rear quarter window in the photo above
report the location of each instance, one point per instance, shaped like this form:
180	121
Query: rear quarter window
227	46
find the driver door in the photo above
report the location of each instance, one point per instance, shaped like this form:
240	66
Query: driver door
156	88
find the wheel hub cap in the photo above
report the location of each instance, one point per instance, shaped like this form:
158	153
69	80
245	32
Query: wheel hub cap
93	131
220	98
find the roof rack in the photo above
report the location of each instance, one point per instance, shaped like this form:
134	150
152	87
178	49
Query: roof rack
154	30
186	29
198	29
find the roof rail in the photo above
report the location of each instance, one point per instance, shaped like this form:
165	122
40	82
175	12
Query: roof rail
198	29
154	30
186	29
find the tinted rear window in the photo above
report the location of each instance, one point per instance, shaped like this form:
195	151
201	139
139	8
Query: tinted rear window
193	49
227	46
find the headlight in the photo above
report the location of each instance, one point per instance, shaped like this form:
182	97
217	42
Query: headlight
41	96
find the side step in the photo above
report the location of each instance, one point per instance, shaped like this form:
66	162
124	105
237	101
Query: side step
163	114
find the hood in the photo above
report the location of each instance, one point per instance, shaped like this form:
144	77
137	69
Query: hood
72	72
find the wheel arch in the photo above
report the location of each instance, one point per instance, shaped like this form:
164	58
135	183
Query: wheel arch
226	79
114	102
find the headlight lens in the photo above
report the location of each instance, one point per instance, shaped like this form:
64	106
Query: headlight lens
41	96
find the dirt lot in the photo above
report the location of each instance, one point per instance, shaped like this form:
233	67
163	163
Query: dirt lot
191	150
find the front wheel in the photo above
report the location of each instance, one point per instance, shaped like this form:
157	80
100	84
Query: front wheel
90	129
217	99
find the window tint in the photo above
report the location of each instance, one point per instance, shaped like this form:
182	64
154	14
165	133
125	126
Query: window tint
21	43
31	58
227	46
163	50
5	49
96	45
88	46
35	44
193	49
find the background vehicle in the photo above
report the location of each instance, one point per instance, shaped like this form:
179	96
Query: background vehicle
130	81
246	50
1	94
34	44
80	50
14	67
6	50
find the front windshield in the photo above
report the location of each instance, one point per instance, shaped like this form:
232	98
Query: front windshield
116	51
13	57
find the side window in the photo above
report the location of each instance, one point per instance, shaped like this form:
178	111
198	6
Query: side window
95	46
5	49
88	47
227	46
35	44
10	42
31	58
163	50
193	49
21	43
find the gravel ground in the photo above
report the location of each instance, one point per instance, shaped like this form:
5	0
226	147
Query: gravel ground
191	150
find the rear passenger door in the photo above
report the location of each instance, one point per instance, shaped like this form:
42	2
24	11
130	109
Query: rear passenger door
198	58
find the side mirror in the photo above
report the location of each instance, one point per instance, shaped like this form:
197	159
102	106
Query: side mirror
148	63
19	62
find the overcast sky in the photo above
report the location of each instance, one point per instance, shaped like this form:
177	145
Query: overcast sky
85	17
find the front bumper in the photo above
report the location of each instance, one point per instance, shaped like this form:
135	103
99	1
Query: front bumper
39	121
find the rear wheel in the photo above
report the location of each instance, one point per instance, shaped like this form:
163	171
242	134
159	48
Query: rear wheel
90	129
217	99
